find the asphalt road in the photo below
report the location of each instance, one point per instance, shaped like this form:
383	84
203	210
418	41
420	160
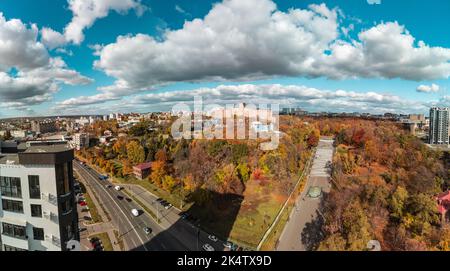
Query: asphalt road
130	227
185	231
303	230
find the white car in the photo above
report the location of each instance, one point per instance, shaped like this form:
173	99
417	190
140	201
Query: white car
118	188
208	247
213	238
135	212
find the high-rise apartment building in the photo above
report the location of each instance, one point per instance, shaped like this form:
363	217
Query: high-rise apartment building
37	202
43	127
439	125
80	141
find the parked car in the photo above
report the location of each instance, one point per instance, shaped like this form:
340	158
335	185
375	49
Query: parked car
119	197
159	199
118	188
82	203
135	212
208	247
128	199
108	186
168	206
147	230
212	238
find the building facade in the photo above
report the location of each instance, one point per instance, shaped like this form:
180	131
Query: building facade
142	171
439	126
37	203
43	127
80	141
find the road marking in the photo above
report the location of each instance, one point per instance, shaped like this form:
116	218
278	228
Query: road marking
142	241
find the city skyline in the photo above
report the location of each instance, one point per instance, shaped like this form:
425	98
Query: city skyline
371	58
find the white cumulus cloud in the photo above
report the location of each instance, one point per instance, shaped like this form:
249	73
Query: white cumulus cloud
28	74
428	89
252	39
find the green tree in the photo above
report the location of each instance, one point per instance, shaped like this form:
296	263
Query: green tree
397	202
135	152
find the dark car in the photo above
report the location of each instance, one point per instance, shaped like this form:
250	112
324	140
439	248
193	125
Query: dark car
128	199
119	197
159	199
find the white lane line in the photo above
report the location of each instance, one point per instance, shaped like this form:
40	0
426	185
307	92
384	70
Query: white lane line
112	199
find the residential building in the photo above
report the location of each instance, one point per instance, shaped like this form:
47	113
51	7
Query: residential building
439	126
37	203
80	141
43	127
142	171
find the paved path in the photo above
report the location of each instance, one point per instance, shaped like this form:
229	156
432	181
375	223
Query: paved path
303	230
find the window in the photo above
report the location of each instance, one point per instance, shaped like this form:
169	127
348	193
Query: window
69	231
36	210
66	206
14	231
62	178
12	206
38	234
10	187
10	248
35	189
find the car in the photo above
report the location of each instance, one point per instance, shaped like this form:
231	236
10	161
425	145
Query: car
135	212
147	230
163	202
128	199
184	216
168	206
212	238
208	247
118	188
159	199
119	197
83	203
108	186
228	245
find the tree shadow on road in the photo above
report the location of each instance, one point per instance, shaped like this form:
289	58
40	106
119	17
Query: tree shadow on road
313	232
214	212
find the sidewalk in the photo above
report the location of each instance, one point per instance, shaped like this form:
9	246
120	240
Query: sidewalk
97	228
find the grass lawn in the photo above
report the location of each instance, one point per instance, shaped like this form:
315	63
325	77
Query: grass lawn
105	241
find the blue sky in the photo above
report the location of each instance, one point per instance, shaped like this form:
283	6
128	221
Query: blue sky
340	55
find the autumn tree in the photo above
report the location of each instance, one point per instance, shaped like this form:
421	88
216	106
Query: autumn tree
135	152
313	138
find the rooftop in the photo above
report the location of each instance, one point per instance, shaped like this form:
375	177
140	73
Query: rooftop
143	166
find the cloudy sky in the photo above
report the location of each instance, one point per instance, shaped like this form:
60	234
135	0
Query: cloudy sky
102	56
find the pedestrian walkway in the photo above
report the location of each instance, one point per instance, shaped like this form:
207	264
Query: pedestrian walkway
303	229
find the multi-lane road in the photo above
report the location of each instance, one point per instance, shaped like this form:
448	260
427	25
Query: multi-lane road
172	234
131	228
